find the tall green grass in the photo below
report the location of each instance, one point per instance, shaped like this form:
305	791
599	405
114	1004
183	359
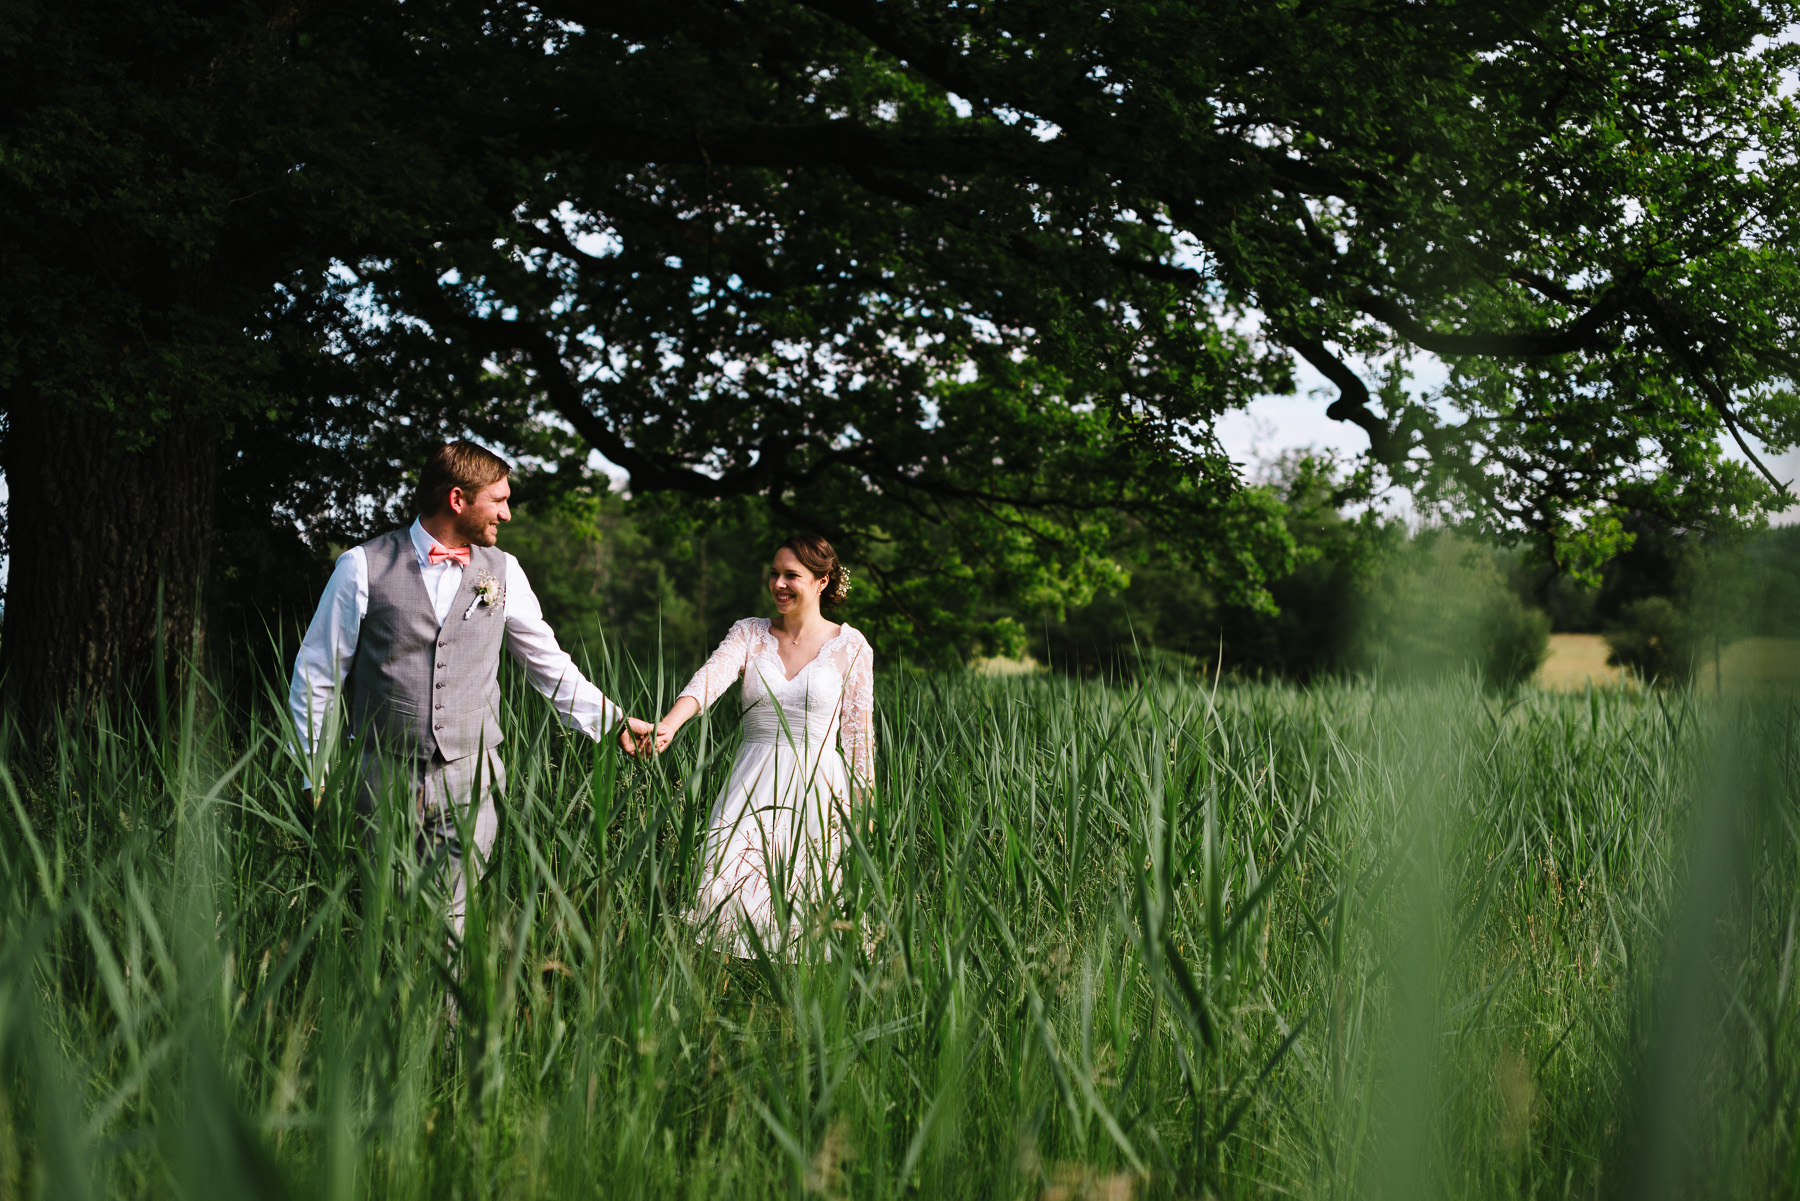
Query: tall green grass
1162	940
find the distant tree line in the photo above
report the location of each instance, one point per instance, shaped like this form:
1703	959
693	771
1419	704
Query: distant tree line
1673	604
661	578
1366	594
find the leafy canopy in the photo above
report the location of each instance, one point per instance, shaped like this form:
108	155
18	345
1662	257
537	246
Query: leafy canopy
959	284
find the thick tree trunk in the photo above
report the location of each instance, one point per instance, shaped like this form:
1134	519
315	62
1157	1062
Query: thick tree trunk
96	528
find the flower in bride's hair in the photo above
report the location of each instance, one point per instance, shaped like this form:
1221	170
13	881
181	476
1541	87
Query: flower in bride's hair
843	584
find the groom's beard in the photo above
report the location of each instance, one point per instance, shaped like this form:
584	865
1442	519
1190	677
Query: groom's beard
477	531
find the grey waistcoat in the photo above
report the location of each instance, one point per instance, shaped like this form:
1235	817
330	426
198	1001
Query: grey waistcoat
416	688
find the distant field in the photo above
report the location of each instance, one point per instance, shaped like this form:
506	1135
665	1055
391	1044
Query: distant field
1157	941
1001	666
1758	665
1575	661
1752	665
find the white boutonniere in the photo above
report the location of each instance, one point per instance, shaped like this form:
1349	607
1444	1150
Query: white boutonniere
487	592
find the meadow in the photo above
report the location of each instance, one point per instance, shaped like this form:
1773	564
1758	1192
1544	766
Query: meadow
1164	938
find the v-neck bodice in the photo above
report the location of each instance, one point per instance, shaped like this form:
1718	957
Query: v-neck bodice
811	707
771	645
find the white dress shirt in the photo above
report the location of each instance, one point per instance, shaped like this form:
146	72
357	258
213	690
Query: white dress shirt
330	644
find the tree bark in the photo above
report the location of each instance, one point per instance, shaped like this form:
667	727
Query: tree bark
97	527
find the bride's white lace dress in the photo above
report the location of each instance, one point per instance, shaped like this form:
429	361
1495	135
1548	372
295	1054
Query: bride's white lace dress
776	827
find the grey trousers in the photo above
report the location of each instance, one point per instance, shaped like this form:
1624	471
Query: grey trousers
447	803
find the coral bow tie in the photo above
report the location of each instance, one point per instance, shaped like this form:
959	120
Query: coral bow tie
438	554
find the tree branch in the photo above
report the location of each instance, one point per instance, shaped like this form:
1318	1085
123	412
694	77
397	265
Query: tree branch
644	20
954	73
494	334
1352	404
1161	272
836	143
893	187
1669	326
1585	333
948	70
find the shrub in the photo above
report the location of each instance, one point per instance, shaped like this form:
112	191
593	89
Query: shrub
1515	638
1653	639
1442	607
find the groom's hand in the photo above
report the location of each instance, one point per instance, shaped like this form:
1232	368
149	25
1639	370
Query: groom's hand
633	739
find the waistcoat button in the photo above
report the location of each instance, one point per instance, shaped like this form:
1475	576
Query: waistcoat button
439	705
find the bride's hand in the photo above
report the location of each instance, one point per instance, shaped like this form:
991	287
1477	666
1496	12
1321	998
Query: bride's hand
665	734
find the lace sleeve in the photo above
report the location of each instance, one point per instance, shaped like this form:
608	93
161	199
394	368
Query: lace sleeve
859	712
722	670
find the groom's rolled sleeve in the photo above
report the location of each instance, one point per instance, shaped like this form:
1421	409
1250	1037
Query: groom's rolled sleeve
551	671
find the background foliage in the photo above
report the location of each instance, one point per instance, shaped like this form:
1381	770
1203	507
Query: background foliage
664	578
964	286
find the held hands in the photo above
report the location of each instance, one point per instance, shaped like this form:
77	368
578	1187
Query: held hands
636	736
656	739
640	738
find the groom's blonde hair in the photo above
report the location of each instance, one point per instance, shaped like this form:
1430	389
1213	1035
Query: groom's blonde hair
459	464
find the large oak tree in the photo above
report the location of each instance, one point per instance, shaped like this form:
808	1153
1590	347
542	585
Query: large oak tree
955	282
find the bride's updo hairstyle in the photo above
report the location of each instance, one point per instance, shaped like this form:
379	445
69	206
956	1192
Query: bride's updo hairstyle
817	556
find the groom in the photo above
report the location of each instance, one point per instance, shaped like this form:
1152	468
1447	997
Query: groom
415	619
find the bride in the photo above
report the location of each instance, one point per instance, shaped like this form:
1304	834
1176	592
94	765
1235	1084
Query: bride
775	837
